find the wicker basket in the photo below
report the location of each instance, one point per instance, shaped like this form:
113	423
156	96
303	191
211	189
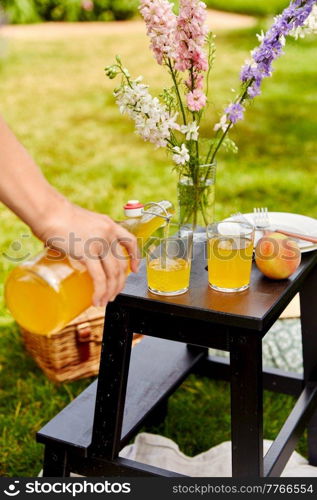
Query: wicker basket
74	352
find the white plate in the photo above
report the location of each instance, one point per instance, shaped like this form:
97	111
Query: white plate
289	222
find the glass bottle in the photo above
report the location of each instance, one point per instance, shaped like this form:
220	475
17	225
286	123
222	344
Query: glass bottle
46	292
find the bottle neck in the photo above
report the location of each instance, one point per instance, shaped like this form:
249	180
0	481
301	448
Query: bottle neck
163	209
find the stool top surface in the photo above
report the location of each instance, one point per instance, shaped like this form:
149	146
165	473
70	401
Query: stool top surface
254	308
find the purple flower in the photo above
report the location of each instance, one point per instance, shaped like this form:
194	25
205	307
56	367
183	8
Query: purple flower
271	46
249	72
254	90
235	112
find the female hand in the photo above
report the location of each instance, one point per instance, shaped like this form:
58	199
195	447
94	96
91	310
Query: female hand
103	245
106	248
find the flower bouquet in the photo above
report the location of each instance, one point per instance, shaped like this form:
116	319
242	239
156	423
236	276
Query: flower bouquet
182	43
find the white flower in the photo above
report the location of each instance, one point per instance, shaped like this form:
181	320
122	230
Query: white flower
222	124
191	131
181	155
152	120
309	27
261	36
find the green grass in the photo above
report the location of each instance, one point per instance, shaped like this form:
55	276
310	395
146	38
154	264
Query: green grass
199	415
57	100
259	8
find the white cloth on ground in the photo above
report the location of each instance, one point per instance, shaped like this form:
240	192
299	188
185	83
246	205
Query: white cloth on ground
164	453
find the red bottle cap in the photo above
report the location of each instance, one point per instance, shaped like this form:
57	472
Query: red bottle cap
133	208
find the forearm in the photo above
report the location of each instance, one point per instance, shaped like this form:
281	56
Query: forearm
23	188
53	218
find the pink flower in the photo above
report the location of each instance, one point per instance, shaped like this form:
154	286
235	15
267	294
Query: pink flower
190	37
199	81
87	5
161	25
200	61
196	100
195	81
181	39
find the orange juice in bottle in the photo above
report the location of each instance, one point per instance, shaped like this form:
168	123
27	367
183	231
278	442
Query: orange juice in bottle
143	221
46	292
49	290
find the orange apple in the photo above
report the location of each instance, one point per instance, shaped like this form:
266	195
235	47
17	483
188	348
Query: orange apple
277	256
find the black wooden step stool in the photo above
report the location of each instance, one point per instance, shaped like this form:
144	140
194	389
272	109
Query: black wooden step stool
87	436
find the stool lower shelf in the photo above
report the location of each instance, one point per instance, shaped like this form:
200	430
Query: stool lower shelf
157	369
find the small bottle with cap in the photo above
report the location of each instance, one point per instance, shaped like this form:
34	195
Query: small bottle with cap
133	211
133	208
143	220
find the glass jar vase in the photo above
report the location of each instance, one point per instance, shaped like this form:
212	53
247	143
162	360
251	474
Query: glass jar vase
196	196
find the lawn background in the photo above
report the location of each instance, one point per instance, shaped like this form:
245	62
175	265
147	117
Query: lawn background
259	8
57	100
33	11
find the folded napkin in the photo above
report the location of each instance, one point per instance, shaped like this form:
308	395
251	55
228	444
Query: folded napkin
162	452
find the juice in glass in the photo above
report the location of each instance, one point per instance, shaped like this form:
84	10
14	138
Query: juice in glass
171	277
169	263
230	256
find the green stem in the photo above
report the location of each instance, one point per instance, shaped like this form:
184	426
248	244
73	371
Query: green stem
209	152
208	172
121	68
211	55
203	213
222	138
193	199
197	151
219	143
195	209
194	114
169	64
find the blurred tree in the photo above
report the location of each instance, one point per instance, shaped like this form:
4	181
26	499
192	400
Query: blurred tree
32	11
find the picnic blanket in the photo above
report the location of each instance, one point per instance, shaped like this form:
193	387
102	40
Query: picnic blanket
159	451
162	452
282	346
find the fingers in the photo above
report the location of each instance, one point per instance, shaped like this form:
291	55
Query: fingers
115	270
129	242
109	271
124	268
99	278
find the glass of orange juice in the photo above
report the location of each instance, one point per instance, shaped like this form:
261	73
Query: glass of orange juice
169	261
230	251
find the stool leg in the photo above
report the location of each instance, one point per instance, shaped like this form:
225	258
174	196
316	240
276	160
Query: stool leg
55	462
246	405
309	339
112	383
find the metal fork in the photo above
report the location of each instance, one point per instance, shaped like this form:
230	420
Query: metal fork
262	223
261	218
